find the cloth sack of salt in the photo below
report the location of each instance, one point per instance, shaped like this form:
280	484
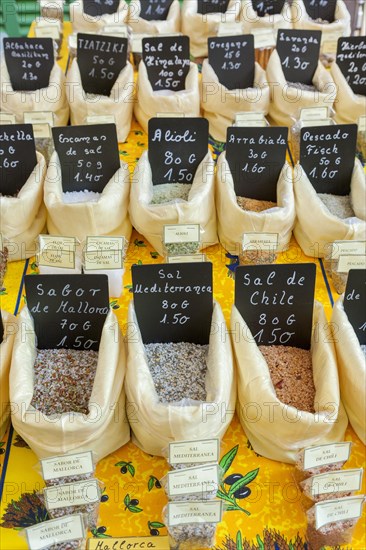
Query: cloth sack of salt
233	221
83	22
155	27
314	232
281	431
103	430
199	208
286	101
106	216
119	103
219	104
155	424
23	218
10	327
251	20
149	102
351	369
348	106
199	27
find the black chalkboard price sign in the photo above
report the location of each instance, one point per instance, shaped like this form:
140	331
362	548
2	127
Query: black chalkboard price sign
29	62
327	154
89	156
1	328
167	61
232	59
256	157
351	59
321	9
69	311
354	302
176	148
212	6
155	10
96	8
17	157
179	301
276	302
100	60
299	54
268	7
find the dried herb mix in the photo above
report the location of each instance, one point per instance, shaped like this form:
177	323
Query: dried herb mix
168	192
338	205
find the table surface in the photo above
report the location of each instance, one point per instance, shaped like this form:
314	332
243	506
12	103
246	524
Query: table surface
272	516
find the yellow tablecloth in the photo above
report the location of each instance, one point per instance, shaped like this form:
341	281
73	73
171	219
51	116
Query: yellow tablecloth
276	520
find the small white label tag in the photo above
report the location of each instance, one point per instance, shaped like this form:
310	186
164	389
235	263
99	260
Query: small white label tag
196	451
340	509
1	242
199	479
314	113
72	494
55	531
137	42
335	482
50	31
261	241
329	42
250	124
264	38
103	260
249	116
100	119
182	233
7	118
42	122
170	115
229	29
186	259
115	30
73	42
180	513
314	123
67	465
362	124
323	455
345	263
105	243
56	251
348	248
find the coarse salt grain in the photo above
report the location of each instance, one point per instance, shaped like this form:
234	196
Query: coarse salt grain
192	535
71	197
167	192
304	87
63	380
178	370
292	375
338	205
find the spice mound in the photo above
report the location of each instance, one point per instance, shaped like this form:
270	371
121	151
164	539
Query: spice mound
3	264
292	375
167	192
196	535
178	370
68	545
80	196
254	205
303	87
63	380
338	205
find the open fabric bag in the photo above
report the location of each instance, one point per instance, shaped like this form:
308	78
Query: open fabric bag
275	430
199	27
149	102
155	27
23	218
82	22
154	424
315	226
286	101
53	98
149	220
103	430
119	103
251	20
348	106
10	325
220	105
233	221
341	25
107	216
351	369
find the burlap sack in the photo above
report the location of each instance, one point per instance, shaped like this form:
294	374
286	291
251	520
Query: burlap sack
154	424
170	25
149	220
6	347
107	216
315	226
119	103
233	221
220	105
103	430
348	106
199	27
351	369
53	98
149	103
287	101
82	22
251	20
23	218
341	24
276	430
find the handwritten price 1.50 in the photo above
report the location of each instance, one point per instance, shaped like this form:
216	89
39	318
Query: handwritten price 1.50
178	318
